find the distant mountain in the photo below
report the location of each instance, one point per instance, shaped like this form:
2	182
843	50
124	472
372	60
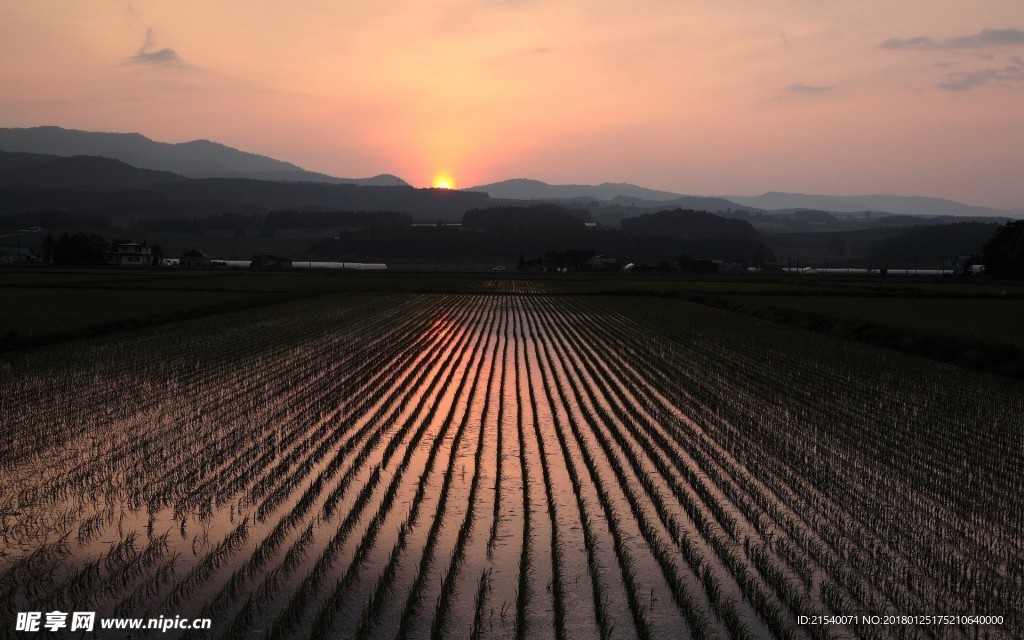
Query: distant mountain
698	203
911	205
524	189
195	159
87	173
225	194
31	184
10	161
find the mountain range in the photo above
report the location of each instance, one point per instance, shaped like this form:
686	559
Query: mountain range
195	159
32	183
45	158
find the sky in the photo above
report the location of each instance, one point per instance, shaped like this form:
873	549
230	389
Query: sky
709	97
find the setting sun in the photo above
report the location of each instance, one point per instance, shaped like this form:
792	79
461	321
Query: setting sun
443	181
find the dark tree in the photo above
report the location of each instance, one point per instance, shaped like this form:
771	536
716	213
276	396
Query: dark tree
1004	252
311	219
80	248
46	248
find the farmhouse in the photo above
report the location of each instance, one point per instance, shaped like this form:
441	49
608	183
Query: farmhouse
195	258
130	254
12	255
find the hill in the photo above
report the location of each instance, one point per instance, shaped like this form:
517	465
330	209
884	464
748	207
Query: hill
95	186
538	216
689	224
698	203
90	173
910	205
524	189
195	159
943	241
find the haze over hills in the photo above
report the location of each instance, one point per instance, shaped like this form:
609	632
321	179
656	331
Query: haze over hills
909	205
635	196
526	189
622	194
91	192
195	159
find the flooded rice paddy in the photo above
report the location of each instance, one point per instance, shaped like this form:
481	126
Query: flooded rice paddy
508	465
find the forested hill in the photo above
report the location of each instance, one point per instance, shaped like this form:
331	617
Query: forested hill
539	216
89	173
681	223
947	240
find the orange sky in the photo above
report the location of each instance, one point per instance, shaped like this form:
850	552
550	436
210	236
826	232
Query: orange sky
909	97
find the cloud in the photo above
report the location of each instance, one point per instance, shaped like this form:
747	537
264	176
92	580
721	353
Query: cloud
985	38
801	88
911	43
989	38
1009	76
149	55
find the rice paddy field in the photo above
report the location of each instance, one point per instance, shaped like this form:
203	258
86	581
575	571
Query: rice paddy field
507	459
955	318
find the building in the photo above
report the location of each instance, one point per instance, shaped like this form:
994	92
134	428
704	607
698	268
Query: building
964	266
604	264
270	262
195	259
130	254
567	261
533	265
653	265
15	255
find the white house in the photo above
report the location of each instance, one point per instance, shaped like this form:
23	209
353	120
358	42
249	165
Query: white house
130	254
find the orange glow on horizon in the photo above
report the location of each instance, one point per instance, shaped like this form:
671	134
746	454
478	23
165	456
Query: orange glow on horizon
921	102
443	180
